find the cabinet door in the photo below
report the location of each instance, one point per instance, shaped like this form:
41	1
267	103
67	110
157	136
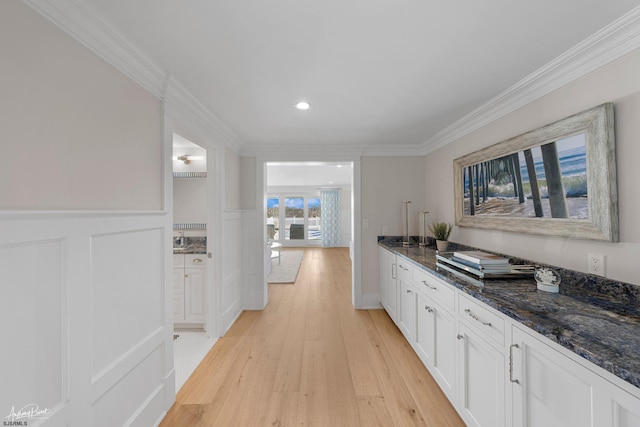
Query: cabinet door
178	293
551	389
616	407
436	342
194	294
407	314
383	274
425	330
392	288
481	380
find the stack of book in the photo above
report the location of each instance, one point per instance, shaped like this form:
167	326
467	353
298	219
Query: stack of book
482	265
489	263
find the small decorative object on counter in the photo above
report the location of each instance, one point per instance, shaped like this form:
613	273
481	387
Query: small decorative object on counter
422	228
406	239
441	232
548	280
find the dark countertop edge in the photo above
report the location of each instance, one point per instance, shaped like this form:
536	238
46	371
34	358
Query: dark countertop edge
633	378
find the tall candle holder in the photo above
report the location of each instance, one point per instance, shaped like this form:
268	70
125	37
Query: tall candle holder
422	228
406	240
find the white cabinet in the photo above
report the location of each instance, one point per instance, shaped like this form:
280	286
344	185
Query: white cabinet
189	288
495	371
481	379
388	283
617	408
436	342
551	389
406	313
481	364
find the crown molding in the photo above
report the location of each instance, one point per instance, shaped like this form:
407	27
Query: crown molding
182	106
337	150
612	42
90	27
302	152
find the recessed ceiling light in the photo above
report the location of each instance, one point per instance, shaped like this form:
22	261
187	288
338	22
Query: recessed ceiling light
303	105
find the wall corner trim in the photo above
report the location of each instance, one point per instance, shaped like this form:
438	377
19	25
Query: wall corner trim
85	23
612	42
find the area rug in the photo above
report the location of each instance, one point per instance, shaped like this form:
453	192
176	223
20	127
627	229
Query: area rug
287	270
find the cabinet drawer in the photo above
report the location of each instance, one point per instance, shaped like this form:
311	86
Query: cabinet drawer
483	318
195	261
435	288
404	268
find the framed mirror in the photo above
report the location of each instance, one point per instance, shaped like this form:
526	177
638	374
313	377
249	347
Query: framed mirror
559	180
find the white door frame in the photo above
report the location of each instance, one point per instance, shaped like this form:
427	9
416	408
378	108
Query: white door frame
215	204
261	200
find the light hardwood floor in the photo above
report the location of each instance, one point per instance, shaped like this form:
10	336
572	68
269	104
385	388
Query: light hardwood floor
310	359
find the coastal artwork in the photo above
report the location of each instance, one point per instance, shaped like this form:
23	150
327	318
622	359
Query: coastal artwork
548	181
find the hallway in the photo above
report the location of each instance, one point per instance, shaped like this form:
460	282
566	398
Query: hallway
311	359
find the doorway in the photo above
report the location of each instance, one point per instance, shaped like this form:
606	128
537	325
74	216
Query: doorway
192	266
297	184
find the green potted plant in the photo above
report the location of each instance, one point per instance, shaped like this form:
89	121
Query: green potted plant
441	232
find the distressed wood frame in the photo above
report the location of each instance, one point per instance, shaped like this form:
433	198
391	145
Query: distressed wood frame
602	224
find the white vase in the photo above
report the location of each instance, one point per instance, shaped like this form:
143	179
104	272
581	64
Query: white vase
442	245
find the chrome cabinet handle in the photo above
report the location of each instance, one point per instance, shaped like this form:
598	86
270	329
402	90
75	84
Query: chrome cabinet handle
460	336
429	286
511	363
475	317
429	309
197	260
408	291
393	270
186	275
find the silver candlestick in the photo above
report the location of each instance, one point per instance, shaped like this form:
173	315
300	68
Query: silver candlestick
406	240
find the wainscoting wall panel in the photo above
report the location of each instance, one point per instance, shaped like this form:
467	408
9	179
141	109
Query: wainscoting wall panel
232	263
126	272
33	318
89	342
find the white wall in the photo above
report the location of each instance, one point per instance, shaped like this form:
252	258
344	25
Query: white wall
88	288
76	133
190	200
617	82
232	181
387	181
248	183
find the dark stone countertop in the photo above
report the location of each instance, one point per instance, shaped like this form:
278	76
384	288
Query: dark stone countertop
596	318
190	245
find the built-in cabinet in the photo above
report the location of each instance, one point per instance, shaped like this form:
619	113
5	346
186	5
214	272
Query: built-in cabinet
189	288
495	371
406	310
388	282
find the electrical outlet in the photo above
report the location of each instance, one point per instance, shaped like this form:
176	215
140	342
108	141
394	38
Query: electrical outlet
385	230
595	264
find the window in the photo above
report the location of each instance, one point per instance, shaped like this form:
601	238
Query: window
299	220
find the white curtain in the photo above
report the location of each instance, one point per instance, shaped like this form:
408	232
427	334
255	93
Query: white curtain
330	208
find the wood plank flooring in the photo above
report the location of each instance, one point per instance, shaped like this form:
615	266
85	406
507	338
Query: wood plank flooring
310	359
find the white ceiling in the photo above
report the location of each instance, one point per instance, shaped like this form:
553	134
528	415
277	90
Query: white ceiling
376	72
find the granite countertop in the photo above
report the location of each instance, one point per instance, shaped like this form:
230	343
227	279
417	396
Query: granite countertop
190	245
596	318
